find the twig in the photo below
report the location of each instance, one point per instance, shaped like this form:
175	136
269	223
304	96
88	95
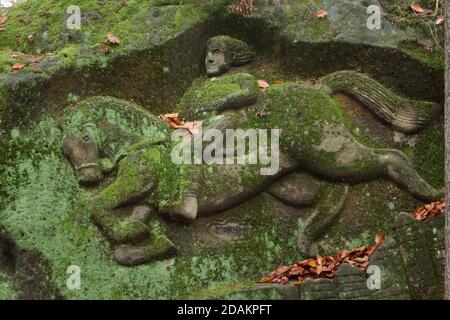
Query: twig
437	8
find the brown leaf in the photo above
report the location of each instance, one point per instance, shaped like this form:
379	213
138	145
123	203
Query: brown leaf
263	85
112	39
244	7
30	39
323	266
17	67
312	263
104	48
3	20
379	238
35	61
429	210
175	122
416	8
320	14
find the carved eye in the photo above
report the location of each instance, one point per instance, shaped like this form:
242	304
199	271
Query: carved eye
217	51
86	138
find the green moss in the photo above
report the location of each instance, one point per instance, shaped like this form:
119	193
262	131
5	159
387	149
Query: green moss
429	154
7	291
204	97
132	23
302	24
263	250
435	59
399	12
304	114
6	61
38	211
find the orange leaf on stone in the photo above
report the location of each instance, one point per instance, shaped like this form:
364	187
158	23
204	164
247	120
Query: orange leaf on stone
323	266
17	67
175	122
112	39
416	8
263	85
429	210
3	19
104	48
30	39
320	14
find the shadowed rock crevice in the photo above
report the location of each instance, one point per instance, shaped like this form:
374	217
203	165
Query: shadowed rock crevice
28	270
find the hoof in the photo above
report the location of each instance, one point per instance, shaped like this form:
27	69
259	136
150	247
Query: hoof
141	213
186	213
129	231
135	255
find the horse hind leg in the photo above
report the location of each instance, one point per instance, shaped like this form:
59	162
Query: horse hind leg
399	169
351	161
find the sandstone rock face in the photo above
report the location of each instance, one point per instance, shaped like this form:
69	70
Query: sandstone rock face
141	213
296	189
241	232
410	261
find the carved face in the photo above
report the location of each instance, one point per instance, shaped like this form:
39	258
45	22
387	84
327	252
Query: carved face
215	62
224	52
83	152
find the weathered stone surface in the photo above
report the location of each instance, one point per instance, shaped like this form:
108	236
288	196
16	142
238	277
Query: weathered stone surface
410	262
141	213
228	231
297	189
45	210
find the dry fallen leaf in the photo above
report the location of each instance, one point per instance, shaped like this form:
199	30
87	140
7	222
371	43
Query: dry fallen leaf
30	39
104	48
439	20
17	67
244	7
416	8
320	13
3	19
35	61
175	122
279	81
263	85
429	210
112	39
323	267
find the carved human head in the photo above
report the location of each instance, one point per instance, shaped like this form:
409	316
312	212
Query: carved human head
224	52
